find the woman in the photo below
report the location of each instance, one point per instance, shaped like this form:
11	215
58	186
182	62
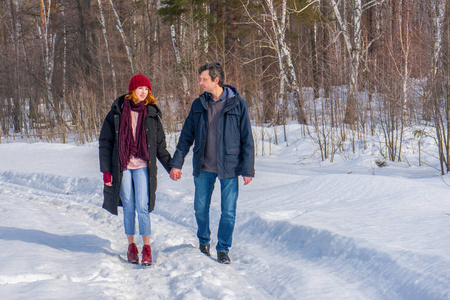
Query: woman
131	139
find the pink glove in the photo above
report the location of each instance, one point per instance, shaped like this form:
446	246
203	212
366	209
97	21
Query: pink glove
107	178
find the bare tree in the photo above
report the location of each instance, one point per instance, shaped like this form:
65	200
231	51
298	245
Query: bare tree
353	44
15	32
276	37
105	36
124	38
441	107
48	42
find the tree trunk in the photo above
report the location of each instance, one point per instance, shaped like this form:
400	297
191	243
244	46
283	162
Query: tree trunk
178	59
438	20
314	60
15	25
124	39
48	41
105	36
354	50
287	69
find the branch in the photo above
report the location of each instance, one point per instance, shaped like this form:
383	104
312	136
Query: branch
311	2
257	24
343	26
372	4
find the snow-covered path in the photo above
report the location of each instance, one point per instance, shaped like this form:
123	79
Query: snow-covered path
71	250
72	246
337	231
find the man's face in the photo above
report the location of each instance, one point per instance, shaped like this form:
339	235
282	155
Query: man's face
207	84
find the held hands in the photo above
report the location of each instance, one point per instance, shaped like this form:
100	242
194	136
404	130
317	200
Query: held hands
175	174
107	178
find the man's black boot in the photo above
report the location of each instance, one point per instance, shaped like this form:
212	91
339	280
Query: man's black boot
205	249
223	258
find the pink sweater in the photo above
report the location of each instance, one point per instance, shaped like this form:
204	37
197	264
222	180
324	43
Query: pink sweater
135	163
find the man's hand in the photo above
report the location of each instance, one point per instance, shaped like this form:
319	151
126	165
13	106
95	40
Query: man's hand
247	180
175	174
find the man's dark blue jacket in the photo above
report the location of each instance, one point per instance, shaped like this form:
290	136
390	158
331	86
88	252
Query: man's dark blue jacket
235	149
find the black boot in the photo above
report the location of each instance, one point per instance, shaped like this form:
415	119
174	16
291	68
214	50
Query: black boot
205	249
223	258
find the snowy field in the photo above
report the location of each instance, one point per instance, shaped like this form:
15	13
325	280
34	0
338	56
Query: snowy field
305	229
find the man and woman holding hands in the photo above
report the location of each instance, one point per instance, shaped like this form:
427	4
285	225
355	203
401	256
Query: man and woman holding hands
132	138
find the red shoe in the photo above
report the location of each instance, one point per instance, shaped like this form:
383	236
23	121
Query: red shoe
146	255
133	254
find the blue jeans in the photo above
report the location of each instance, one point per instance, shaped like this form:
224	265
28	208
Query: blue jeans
134	195
229	188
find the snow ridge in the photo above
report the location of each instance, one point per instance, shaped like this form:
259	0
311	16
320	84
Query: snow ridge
341	254
54	183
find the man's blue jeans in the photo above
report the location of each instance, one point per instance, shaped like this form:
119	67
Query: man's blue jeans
204	186
134	195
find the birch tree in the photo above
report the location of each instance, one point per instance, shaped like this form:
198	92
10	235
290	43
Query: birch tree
48	42
187	31
275	37
124	38
288	75
108	55
441	107
353	45
173	35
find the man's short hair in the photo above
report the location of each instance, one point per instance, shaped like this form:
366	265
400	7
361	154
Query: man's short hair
215	71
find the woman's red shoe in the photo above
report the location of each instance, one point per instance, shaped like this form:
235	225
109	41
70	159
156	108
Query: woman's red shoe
146	255
133	254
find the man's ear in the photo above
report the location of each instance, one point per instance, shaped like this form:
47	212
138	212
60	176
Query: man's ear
216	80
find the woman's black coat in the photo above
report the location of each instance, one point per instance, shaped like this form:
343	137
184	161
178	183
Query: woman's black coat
109	153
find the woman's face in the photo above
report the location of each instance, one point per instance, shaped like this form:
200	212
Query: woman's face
141	93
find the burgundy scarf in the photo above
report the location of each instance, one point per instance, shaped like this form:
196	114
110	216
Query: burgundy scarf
129	145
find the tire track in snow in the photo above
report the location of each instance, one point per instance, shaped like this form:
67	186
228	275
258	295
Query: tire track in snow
353	261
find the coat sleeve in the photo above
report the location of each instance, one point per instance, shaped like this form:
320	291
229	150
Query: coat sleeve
185	141
162	153
106	143
247	144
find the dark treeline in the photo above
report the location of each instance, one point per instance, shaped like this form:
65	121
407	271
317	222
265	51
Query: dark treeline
346	68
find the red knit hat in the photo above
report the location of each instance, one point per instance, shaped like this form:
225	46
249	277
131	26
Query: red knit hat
137	81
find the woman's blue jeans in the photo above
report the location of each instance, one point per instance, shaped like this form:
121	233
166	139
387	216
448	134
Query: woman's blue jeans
204	186
134	195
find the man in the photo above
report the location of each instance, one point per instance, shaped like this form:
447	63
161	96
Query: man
219	126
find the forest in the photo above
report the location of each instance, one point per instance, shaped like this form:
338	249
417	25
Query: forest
345	70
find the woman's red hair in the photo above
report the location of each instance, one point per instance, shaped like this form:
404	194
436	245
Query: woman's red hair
148	100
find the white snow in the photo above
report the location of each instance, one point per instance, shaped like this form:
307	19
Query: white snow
305	229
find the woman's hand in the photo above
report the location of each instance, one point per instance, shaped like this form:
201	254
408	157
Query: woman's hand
107	178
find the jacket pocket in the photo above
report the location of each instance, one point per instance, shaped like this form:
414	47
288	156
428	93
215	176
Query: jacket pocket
232	159
233	151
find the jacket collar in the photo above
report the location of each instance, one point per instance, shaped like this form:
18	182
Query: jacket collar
229	101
